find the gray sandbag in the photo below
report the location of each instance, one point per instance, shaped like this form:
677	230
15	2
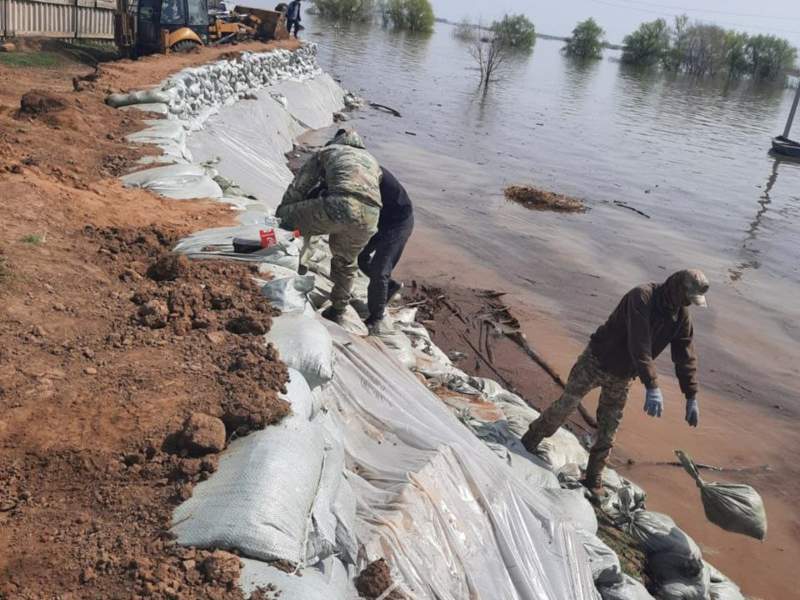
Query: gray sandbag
304	344
141	97
287	290
734	507
260	499
628	589
327	580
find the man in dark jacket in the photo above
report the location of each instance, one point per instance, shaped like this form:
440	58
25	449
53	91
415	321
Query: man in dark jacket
293	17
647	319
379	258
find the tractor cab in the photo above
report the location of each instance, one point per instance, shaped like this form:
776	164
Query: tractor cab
176	25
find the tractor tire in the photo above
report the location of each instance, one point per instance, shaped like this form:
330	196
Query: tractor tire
185	46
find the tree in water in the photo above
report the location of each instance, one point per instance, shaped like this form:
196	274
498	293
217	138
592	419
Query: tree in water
586	41
769	57
358	10
514	32
412	15
648	45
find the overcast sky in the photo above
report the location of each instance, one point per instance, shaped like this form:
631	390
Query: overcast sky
619	17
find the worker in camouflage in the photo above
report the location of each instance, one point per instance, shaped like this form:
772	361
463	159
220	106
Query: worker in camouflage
648	319
336	193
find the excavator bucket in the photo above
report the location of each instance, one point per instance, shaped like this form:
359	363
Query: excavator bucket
269	24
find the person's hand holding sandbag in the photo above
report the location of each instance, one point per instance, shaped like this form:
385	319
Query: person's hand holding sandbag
733	507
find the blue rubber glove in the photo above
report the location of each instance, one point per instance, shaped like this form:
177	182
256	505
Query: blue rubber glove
653	403
692	412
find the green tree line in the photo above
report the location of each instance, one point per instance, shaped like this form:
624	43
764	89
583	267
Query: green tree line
411	15
708	50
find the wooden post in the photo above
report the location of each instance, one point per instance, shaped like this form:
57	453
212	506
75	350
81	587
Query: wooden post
792	112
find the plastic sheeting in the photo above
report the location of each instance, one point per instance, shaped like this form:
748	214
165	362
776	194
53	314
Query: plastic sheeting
179	182
441	507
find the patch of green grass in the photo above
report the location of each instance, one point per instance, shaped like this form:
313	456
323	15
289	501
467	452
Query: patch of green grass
41	59
34	239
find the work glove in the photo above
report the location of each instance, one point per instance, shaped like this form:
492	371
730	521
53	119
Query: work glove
692	412
653	402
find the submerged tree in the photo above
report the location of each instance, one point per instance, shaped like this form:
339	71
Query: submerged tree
514	32
702	49
358	10
491	54
648	45
586	41
413	15
465	30
769	57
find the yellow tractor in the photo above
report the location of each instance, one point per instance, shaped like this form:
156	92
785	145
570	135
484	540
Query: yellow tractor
156	26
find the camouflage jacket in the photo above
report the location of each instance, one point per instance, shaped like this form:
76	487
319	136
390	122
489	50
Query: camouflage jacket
342	169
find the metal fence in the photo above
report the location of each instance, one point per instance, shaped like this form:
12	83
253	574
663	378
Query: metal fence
70	19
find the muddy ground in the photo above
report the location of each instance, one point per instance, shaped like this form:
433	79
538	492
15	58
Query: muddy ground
103	358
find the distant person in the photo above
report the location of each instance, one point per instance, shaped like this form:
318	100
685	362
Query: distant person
384	250
337	193
647	319
293	17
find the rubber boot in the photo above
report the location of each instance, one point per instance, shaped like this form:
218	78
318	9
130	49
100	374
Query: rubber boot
394	289
532	439
334	315
593	479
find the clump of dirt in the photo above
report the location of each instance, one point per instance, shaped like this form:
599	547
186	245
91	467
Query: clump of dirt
375	579
40	102
535	198
168	267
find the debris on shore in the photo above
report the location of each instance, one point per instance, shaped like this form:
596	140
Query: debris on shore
538	199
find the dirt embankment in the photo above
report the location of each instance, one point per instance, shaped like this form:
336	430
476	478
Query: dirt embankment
104	356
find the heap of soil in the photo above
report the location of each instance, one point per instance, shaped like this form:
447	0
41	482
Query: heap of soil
89	391
375	579
538	199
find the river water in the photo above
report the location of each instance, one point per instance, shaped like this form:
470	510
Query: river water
690	155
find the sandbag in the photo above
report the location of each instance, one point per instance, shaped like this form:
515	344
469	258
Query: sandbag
629	589
721	587
140	97
304	344
259	501
287	291
733	507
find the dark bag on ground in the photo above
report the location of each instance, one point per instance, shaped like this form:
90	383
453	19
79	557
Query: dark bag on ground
733	507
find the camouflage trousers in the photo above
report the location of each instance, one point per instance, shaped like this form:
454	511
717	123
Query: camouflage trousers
586	375
350	224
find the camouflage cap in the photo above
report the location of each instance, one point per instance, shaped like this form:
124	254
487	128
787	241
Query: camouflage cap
347	137
696	285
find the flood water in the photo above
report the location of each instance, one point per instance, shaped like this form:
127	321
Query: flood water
692	157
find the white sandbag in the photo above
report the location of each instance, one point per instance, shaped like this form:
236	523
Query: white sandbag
327	580
287	291
168	135
140	97
259	500
733	507
180	182
629	589
304	344
298	395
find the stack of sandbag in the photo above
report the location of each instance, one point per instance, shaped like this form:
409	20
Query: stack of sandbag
734	507
674	561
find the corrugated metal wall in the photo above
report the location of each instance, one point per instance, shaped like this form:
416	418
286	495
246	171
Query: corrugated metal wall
84	19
